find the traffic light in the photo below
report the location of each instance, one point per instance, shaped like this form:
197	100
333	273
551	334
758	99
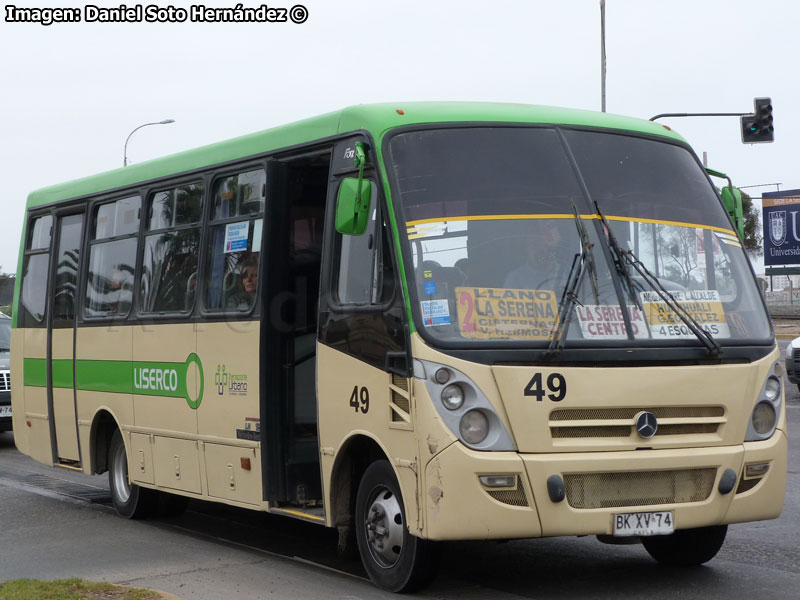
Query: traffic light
757	128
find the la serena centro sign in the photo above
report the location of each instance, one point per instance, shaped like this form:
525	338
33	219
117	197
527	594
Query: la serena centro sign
781	227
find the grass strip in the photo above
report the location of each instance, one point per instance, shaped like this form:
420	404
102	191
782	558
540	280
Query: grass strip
70	589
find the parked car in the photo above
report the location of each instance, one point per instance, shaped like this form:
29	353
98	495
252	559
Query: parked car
5	373
793	361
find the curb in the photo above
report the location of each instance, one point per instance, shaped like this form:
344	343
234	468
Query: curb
164	595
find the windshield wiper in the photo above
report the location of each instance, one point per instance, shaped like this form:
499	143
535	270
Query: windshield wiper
574	280
627	257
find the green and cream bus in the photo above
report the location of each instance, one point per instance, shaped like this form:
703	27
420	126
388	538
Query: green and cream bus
414	323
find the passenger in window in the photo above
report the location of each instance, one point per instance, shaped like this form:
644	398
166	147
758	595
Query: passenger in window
119	290
245	296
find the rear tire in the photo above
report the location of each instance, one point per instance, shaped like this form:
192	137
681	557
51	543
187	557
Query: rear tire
686	547
129	500
394	559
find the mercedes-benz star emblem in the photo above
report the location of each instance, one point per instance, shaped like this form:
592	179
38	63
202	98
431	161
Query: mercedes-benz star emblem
646	424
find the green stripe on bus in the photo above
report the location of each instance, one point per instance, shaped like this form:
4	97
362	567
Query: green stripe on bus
34	372
167	379
62	373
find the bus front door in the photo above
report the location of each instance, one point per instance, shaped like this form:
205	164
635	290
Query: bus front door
61	334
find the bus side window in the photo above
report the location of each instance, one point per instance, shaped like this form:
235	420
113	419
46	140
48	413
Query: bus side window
358	255
234	246
361	266
171	250
112	255
34	281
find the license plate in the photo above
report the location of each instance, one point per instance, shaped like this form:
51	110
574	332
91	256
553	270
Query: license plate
5	411
644	523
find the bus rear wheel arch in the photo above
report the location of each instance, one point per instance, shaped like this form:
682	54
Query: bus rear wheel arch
686	547
130	500
394	559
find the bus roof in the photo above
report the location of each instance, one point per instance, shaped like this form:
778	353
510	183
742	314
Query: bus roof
375	118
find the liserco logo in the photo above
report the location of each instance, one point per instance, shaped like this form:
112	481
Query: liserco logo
182	380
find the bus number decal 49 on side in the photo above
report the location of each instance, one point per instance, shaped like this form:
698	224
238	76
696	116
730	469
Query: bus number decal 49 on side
360	399
555	389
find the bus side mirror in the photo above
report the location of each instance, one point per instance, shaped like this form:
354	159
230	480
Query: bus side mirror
732	198
352	202
352	205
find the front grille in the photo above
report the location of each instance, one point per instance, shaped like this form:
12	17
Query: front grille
619	422
515	497
796	354
5	381
745	485
638	488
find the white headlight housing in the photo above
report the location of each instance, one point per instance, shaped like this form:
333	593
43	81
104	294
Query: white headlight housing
464	408
767	409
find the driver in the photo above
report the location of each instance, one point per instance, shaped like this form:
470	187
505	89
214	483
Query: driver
547	259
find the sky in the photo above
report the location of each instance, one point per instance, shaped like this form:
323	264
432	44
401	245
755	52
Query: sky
70	93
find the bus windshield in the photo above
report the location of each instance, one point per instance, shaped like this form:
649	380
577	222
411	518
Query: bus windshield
492	220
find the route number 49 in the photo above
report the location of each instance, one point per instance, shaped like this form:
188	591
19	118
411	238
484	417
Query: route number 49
359	399
556	388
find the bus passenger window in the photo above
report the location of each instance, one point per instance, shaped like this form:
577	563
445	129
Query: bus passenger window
171	250
112	255
37	262
234	246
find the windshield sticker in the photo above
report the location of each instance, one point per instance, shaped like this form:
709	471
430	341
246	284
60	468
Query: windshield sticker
258	226
729	239
236	236
424	230
491	313
606	322
704	305
435	228
430	288
435	312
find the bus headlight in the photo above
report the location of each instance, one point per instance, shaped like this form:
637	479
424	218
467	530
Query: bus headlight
764	419
463	407
474	427
452	396
772	388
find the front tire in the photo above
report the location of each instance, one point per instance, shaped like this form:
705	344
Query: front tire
686	547
394	559
129	500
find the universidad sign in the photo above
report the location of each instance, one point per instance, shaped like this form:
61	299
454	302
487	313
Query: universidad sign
781	227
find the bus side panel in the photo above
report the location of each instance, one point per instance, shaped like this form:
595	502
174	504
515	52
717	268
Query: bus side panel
229	352
342	415
229	410
18	418
64	396
167	343
106	343
35	380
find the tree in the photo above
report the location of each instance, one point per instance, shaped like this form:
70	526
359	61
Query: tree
752	227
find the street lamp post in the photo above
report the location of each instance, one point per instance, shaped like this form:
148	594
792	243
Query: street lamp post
125	154
603	55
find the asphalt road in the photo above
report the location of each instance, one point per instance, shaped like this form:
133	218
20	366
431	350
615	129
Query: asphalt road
56	523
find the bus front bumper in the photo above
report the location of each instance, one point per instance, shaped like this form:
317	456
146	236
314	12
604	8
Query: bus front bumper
460	505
